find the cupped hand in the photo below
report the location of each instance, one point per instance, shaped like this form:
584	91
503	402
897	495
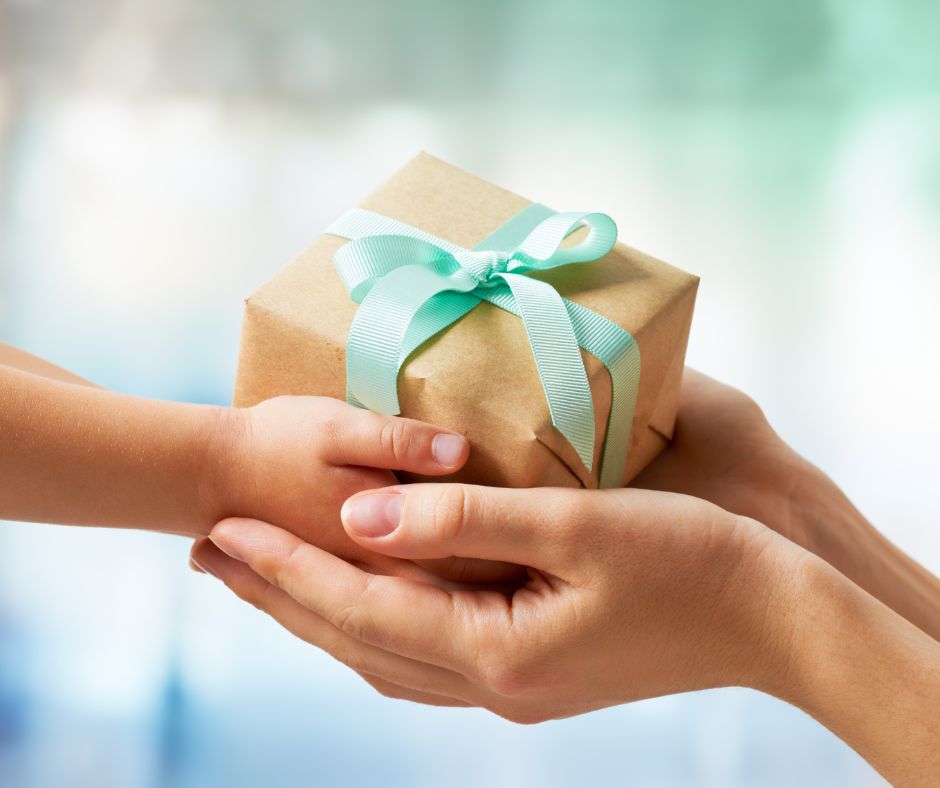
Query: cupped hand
725	451
629	594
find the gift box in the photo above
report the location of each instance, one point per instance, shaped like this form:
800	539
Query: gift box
499	366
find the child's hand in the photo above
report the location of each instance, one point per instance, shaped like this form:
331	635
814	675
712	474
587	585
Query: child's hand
73	453
294	460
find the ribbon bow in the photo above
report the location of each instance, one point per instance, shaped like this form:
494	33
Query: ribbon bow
410	285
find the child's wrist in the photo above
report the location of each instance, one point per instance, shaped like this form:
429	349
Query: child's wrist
222	483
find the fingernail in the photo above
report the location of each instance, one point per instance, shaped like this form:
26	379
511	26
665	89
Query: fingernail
230	551
447	449
373	515
206	570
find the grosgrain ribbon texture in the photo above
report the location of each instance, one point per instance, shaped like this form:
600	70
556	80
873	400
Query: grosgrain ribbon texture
410	285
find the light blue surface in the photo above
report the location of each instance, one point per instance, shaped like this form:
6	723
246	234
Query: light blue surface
159	161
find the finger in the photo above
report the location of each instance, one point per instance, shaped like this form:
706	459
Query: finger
389	690
361	437
396	614
533	527
412	675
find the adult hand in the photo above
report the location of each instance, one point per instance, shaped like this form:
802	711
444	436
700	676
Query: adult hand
629	594
725	451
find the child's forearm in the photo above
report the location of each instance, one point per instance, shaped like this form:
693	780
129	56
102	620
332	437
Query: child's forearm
77	454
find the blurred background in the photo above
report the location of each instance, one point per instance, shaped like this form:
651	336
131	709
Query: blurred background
158	161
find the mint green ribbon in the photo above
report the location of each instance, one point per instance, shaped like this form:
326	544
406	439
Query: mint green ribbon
411	285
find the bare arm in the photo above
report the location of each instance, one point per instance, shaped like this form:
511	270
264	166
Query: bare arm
76	454
73	453
19	359
833	528
868	675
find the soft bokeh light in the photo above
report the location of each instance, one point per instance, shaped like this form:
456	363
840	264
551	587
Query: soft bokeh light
158	161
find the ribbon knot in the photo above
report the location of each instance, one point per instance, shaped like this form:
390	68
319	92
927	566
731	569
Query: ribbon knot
411	285
484	266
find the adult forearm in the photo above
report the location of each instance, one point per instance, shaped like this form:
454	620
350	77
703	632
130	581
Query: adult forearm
76	454
830	526
868	675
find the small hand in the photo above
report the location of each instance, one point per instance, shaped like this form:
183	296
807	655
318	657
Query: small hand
294	461
629	594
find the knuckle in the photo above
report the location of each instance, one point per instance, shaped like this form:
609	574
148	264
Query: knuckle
509	676
350	620
329	428
451	511
506	680
290	567
354	619
396	439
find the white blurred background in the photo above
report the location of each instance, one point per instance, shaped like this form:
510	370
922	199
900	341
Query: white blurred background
158	161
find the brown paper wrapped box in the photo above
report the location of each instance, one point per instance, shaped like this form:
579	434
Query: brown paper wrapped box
476	377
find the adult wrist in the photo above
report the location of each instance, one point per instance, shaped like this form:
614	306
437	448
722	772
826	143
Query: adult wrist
837	532
867	675
766	595
795	619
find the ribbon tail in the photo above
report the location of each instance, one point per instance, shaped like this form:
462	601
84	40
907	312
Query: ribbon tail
617	349
558	360
436	314
538	230
384	330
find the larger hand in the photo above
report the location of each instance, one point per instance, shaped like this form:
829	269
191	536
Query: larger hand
629	594
726	452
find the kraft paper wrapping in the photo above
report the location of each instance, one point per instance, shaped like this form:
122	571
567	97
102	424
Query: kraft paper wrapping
477	377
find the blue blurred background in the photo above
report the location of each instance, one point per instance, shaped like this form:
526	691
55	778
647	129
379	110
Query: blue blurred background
158	161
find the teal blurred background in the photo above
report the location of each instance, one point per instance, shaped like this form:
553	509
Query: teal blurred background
158	161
